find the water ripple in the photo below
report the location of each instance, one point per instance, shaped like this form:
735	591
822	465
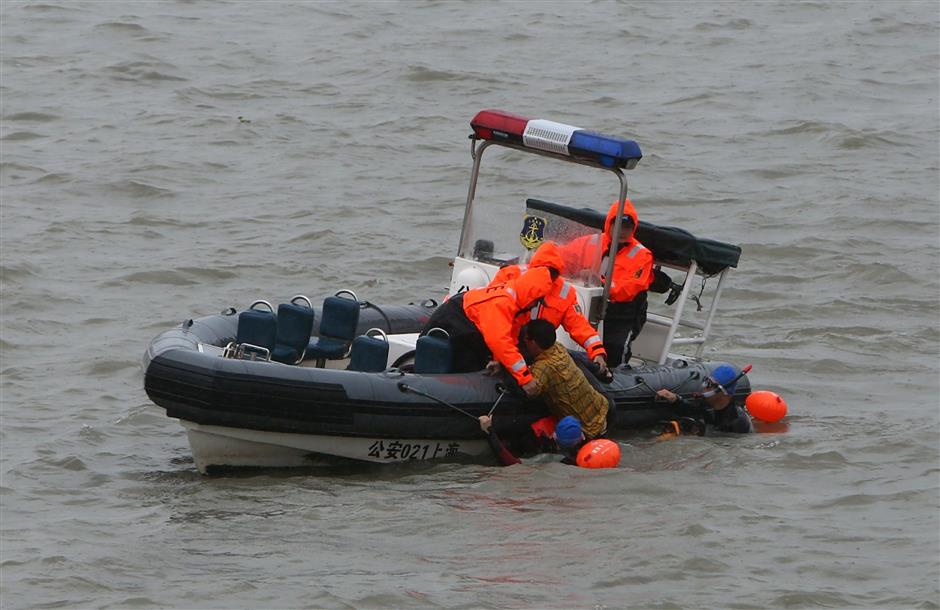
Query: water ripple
186	276
138	189
32	117
22	136
162	164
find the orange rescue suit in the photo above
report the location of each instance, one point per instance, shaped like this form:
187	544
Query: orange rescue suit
559	307
494	309
633	266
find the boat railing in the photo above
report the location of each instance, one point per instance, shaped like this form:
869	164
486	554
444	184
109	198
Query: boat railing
663	331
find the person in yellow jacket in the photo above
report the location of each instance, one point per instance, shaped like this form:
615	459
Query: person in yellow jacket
560	306
561	383
480	324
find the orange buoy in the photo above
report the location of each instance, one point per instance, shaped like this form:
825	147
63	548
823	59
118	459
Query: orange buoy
766	406
599	453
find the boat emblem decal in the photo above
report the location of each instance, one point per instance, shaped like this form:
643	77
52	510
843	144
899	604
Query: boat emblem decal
533	231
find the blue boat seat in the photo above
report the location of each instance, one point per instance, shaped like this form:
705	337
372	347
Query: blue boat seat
294	327
338	322
369	353
433	353
257	327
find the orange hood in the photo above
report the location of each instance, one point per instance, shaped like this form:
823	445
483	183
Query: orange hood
548	255
628	210
531	285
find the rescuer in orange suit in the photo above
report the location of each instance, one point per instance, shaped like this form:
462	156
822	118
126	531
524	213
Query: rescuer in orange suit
480	324
560	306
632	276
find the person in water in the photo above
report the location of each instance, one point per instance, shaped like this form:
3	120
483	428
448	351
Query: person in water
567	439
570	438
632	277
479	323
714	411
561	383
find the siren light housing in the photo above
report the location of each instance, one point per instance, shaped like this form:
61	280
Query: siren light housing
557	138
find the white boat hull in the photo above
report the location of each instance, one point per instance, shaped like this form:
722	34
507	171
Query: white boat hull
220	446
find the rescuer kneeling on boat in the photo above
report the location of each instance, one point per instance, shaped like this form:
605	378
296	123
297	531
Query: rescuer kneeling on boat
480	324
714	411
560	306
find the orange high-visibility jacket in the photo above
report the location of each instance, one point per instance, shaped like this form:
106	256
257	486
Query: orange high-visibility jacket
633	267
493	311
560	306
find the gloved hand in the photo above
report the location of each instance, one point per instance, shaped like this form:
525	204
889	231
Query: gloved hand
600	369
674	291
661	281
601	363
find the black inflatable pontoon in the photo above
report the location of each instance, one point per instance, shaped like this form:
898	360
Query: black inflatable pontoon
259	413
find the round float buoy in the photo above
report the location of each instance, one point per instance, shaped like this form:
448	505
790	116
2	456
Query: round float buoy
766	406
599	453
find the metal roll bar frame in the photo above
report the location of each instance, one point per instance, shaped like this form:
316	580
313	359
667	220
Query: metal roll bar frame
476	153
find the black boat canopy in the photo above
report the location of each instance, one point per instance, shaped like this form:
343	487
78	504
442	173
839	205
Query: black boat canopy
670	245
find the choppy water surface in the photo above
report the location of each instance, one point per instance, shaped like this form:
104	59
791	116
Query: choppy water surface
167	160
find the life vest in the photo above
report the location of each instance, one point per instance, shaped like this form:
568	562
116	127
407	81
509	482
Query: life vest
494	310
560	306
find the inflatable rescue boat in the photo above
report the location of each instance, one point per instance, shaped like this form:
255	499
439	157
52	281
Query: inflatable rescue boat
286	385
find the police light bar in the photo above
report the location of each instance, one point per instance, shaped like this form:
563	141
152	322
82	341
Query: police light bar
557	138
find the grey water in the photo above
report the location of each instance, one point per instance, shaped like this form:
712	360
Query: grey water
166	160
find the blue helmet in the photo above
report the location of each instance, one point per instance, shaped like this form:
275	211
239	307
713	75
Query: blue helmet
568	431
726	377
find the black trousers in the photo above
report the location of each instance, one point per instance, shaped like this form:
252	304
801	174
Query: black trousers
616	333
470	352
623	321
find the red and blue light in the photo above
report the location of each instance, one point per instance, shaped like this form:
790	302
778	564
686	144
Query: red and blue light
558	138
